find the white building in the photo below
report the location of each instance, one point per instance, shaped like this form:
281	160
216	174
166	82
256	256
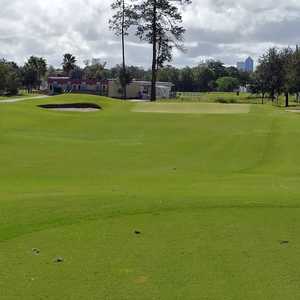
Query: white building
141	90
66	84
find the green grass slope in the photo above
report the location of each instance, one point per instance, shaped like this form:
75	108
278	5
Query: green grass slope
148	205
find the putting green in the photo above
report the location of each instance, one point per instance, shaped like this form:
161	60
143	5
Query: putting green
192	108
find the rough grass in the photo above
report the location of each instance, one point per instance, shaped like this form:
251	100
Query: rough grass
191	108
148	206
218	97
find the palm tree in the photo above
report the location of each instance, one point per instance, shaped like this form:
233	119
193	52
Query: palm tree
69	63
36	68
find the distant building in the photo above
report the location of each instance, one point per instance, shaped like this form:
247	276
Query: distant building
110	88
68	85
246	66
240	66
249	65
141	90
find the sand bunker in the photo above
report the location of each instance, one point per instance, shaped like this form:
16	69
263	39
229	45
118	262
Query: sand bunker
79	107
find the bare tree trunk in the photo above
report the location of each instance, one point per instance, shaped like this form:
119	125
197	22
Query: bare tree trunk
154	52
286	99
123	52
262	98
273	95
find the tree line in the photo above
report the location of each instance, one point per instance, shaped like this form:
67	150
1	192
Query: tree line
277	73
13	77
206	77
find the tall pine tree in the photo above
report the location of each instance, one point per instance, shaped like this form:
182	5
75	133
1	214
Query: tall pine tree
120	24
159	23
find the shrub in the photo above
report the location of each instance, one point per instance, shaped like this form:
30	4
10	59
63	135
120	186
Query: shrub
225	101
227	84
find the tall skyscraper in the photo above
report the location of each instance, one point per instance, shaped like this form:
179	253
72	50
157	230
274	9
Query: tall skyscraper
246	66
249	65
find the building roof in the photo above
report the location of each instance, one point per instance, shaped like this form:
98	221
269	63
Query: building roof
144	82
68	80
58	78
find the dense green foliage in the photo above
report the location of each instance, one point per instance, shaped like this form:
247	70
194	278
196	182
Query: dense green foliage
278	73
146	205
227	84
217	97
202	78
33	72
10	78
69	63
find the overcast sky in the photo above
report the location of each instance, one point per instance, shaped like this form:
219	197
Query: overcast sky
228	30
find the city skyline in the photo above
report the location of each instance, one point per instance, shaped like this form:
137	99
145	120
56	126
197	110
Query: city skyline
247	65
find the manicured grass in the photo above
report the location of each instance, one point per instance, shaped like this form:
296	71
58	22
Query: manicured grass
148	205
191	108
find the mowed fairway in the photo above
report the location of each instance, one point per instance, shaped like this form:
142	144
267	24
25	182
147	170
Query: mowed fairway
148	205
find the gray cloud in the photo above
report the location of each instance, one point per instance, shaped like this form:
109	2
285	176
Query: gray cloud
223	29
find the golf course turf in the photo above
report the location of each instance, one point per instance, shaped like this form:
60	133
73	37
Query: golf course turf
192	108
120	205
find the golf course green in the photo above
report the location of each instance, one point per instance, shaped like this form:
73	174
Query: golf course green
130	203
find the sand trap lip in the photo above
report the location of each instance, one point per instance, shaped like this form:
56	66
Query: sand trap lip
192	108
72	107
75	109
